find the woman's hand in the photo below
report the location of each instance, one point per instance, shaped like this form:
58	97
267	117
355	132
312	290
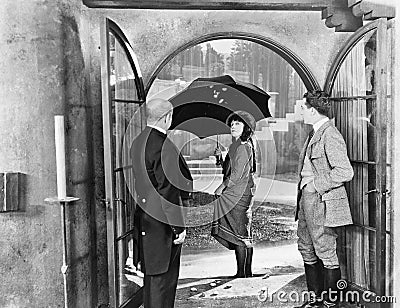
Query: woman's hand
218	191
217	151
180	238
249	214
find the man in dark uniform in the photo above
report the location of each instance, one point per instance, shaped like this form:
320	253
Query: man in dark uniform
162	186
322	203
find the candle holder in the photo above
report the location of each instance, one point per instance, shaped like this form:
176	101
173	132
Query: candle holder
62	199
64	268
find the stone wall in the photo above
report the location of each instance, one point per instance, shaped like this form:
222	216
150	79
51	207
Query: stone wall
44	72
155	34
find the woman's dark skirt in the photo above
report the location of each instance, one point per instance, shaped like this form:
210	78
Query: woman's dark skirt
231	226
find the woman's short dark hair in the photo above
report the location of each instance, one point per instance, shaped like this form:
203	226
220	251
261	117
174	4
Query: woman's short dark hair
320	101
248	123
249	126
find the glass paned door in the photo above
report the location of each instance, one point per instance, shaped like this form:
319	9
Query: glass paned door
123	119
362	99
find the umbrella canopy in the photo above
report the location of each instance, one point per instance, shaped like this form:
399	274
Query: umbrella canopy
203	107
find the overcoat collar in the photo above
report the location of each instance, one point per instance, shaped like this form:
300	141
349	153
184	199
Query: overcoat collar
152	130
158	128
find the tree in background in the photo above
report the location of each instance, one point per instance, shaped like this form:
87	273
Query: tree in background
192	57
213	62
254	59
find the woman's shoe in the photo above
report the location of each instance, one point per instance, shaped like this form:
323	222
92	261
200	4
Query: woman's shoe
239	275
240	254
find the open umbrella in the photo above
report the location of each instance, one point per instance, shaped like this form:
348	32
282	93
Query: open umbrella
203	107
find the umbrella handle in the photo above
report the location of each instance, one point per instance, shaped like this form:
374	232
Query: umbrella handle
218	157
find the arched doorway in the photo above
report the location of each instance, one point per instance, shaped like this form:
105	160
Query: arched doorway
123	94
246	57
298	65
275	69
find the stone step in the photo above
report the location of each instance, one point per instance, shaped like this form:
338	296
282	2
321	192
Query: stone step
202	163
205	170
203	166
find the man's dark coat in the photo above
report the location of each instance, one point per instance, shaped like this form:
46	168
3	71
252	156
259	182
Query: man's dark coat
162	180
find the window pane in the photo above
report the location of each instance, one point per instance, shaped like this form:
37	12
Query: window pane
129	279
127	122
122	78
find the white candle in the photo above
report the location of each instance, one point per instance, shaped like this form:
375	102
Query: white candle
60	156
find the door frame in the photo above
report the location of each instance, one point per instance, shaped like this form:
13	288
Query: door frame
110	200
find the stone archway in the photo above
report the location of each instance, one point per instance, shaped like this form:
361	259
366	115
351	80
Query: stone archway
300	67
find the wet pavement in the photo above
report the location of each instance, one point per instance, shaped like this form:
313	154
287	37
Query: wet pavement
206	280
206	277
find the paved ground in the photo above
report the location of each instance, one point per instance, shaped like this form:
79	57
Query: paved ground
205	277
205	280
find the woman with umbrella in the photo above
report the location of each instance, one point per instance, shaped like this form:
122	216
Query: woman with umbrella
232	212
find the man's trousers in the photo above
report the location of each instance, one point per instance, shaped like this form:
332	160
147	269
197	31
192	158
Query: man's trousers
159	290
315	240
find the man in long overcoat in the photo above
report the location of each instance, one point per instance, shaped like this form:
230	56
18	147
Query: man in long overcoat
162	186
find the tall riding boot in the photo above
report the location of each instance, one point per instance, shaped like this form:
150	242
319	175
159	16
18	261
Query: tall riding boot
315	284
240	253
249	258
331	278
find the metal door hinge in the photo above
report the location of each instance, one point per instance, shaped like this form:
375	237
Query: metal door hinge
372	191
107	203
387	192
119	200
